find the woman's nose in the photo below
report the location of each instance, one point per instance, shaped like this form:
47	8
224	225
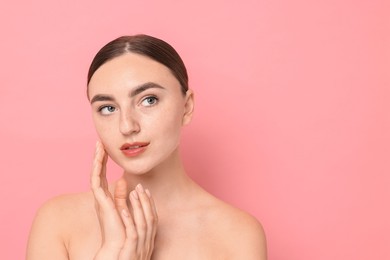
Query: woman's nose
128	124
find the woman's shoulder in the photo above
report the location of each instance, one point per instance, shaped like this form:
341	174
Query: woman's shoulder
59	212
67	204
55	221
235	219
239	230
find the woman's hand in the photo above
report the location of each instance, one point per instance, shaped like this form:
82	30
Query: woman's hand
125	235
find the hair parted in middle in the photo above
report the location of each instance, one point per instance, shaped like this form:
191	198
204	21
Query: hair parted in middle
148	46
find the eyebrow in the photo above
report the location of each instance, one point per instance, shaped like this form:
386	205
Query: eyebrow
139	89
143	87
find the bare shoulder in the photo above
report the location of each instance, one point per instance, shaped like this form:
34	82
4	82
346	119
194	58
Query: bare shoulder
53	224
242	234
62	210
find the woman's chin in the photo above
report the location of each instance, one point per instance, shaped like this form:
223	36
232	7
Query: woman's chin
135	172
136	169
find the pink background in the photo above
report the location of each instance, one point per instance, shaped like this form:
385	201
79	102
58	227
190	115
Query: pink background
292	118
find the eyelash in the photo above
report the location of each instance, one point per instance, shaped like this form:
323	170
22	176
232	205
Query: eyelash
103	107
143	100
149	97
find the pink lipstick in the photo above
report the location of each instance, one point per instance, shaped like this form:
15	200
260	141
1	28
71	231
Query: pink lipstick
133	149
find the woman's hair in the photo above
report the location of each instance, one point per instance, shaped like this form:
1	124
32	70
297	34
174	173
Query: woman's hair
148	46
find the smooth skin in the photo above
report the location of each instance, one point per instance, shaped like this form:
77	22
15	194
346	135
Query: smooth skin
154	211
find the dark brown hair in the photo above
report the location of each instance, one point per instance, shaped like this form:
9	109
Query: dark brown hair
146	45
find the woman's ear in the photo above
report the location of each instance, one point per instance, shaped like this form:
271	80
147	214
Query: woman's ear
188	107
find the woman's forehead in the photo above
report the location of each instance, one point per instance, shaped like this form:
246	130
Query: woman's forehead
130	70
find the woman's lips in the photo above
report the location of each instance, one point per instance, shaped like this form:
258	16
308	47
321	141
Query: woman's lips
133	149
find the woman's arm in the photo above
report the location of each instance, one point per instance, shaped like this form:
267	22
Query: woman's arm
250	241
46	240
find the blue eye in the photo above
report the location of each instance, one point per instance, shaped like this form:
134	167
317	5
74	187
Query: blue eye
149	101
106	110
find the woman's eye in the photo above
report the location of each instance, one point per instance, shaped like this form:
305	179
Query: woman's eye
149	101
106	110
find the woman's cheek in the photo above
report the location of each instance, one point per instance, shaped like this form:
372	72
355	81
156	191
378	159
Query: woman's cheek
107	135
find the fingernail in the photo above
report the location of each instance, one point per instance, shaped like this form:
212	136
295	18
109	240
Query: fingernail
148	193
134	194
125	213
139	188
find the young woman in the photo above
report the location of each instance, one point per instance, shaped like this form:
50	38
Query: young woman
138	90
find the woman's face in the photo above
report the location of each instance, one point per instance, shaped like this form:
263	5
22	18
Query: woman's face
138	110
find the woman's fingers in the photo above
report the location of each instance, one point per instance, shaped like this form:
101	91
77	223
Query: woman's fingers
153	220
141	225
145	220
139	219
129	248
149	214
96	175
103	177
120	195
96	169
